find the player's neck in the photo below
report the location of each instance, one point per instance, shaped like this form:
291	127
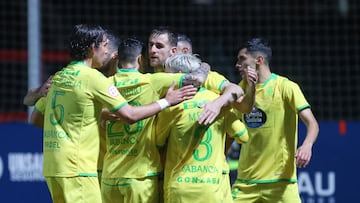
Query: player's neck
88	62
132	66
264	74
158	69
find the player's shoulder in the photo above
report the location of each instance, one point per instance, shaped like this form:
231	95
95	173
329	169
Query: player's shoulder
214	74
77	69
286	83
283	80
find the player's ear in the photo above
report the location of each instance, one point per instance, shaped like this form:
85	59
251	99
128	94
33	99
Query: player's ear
115	55
259	60
139	60
173	50
91	49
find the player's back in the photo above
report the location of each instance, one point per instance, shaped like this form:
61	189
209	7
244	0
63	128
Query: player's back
195	153
195	160
71	133
131	150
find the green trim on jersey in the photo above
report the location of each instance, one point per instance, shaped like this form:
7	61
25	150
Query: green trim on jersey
87	175
272	77
267	181
40	105
131	150
71	136
127	70
195	159
118	107
303	107
237	135
215	82
269	155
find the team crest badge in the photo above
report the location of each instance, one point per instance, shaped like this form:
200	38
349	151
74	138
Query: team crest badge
255	119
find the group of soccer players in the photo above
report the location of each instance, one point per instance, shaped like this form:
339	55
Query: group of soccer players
105	140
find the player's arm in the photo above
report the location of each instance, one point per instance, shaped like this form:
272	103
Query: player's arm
228	143
37	115
304	152
230	93
245	103
37	118
35	94
132	114
235	129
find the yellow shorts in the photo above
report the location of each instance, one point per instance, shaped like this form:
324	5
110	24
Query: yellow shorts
74	189
280	192
127	190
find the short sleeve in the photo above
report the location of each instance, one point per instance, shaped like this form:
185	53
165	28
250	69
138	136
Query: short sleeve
215	82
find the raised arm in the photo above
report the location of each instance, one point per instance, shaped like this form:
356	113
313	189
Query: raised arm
245	103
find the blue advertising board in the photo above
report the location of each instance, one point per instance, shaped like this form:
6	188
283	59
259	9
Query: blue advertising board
330	177
21	161
332	174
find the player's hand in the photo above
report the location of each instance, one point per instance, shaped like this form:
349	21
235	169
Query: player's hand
248	73
210	112
251	75
43	90
106	115
303	155
176	96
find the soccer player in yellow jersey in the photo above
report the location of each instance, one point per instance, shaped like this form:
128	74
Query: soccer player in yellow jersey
109	69
71	134
267	163
195	164
132	161
163	44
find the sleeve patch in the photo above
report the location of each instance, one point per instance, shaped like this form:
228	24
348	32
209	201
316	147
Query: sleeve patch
113	91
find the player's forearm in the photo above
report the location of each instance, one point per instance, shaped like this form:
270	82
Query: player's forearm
311	124
37	119
230	94
246	103
312	133
31	97
132	114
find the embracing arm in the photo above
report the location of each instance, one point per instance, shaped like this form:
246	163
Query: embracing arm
132	114
231	92
245	103
35	94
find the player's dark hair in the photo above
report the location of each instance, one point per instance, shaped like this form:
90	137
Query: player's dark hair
81	39
172	36
114	41
129	49
257	46
184	38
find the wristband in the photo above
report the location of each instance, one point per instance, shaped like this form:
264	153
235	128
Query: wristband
163	103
